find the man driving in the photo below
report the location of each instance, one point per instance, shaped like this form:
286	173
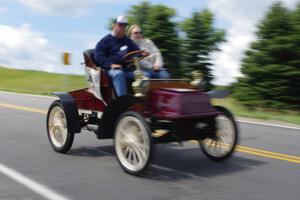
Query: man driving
109	52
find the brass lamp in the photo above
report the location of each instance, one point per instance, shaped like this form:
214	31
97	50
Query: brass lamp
196	78
139	78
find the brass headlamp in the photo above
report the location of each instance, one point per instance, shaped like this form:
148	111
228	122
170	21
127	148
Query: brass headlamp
196	78
140	78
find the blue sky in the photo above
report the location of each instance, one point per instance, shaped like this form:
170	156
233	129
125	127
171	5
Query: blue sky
34	33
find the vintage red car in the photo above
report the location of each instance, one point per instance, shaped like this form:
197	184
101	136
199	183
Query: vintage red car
157	111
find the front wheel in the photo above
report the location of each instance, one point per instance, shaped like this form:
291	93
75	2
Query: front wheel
59	136
222	144
133	142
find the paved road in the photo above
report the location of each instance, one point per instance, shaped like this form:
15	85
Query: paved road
265	166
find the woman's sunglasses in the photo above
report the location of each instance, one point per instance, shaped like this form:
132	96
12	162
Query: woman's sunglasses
138	32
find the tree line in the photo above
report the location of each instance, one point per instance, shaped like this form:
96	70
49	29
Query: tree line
271	65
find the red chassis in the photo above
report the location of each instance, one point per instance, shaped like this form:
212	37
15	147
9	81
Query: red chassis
157	111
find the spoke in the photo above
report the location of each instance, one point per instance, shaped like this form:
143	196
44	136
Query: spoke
123	134
55	122
63	135
56	117
143	147
134	156
127	127
130	156
224	136
219	146
215	142
126	152
62	116
140	134
59	136
64	123
215	146
140	153
51	127
123	143
123	137
226	139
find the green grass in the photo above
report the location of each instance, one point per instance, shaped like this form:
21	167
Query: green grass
35	82
238	109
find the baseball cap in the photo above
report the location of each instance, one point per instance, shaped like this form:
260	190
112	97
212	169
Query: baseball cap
121	20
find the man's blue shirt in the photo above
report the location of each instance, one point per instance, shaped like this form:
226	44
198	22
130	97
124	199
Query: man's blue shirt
110	50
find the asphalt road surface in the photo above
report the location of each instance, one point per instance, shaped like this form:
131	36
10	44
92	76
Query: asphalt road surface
266	164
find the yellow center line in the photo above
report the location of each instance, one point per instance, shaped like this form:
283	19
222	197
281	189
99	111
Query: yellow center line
268	155
5	105
267	152
244	149
264	153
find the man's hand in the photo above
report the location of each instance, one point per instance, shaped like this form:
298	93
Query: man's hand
116	66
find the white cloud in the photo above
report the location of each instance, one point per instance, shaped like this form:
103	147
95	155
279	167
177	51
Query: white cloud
58	6
242	18
62	7
23	48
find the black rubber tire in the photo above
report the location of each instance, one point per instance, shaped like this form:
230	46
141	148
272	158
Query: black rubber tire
70	136
141	119
226	113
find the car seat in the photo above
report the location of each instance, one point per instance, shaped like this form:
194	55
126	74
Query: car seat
97	78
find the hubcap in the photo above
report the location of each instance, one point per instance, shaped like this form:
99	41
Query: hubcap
58	127
132	143
223	142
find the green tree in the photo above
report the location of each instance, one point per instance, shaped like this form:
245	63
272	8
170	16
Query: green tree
271	65
294	89
139	14
156	22
201	39
164	34
296	36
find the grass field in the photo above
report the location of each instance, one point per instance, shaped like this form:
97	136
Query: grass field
35	82
238	109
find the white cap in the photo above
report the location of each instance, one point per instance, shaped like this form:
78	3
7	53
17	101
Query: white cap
121	20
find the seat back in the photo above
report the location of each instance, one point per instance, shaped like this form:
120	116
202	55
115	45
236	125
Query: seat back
97	78
89	58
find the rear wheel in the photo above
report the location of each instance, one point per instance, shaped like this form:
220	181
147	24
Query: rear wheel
133	142
222	144
59	137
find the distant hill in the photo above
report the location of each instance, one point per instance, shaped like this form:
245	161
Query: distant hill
37	82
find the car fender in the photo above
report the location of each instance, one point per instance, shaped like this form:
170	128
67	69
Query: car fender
113	110
71	111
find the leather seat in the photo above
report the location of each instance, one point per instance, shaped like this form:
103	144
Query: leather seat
89	58
105	86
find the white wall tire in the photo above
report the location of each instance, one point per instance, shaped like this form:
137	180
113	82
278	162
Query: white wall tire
223	144
133	142
59	137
